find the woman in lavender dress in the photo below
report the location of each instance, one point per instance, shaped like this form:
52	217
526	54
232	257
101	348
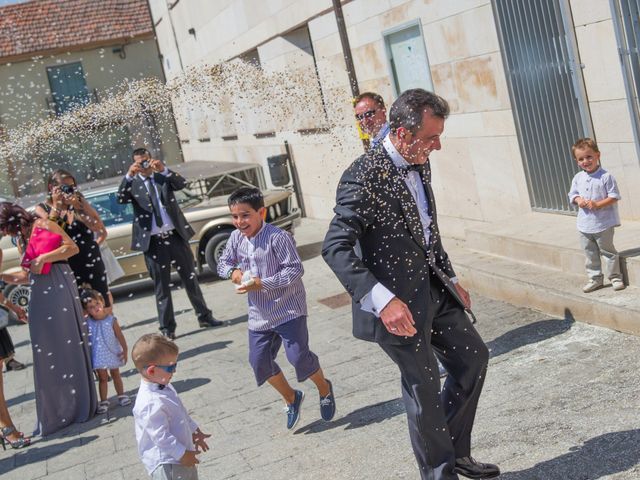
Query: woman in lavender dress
64	387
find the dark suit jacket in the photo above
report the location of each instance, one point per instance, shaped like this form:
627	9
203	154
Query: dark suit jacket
375	208
136	193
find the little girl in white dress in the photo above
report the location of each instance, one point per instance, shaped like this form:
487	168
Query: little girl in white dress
108	347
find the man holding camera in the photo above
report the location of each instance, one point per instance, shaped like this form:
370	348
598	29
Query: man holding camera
162	233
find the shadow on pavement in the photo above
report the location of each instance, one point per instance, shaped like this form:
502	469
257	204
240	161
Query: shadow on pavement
358	418
144	286
210	347
25	397
22	343
511	340
631	252
310	250
182	386
36	453
227	323
128	373
598	457
152	319
532	333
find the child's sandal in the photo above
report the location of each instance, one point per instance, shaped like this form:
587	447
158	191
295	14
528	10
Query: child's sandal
103	407
124	400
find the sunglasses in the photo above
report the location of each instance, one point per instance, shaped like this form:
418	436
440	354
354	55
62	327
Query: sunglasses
367	114
166	368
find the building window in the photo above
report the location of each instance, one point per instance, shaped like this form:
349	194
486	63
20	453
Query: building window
68	87
407	56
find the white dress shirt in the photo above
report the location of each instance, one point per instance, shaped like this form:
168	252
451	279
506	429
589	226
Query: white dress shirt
164	429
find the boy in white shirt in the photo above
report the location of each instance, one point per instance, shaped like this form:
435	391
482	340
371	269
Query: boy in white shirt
168	439
595	191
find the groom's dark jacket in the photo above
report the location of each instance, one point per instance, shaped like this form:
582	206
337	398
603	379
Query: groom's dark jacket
376	211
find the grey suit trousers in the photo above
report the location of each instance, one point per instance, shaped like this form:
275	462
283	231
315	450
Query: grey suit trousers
440	422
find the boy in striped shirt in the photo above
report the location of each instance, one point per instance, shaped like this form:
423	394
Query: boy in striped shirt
261	259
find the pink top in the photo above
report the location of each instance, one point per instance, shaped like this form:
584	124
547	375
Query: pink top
41	241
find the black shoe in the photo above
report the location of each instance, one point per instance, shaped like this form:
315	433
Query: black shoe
13	364
470	468
168	334
211	322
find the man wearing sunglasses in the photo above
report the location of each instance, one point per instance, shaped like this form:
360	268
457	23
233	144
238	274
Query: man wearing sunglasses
371	115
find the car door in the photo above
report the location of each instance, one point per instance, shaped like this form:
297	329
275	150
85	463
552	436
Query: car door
117	219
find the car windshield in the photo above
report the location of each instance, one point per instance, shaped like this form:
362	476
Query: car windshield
187	198
113	213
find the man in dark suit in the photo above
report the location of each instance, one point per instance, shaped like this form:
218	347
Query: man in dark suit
162	233
384	246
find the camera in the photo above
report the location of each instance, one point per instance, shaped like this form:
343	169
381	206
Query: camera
145	164
68	189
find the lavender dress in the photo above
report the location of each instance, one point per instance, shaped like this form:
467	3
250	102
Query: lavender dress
64	387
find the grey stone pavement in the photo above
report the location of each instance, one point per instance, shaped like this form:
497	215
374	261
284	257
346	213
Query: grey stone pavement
561	400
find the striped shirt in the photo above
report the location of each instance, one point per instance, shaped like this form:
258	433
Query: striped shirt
271	256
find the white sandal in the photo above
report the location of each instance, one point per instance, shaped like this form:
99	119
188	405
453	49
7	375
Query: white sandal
103	407
124	400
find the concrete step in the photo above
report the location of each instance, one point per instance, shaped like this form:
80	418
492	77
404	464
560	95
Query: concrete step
551	241
546	289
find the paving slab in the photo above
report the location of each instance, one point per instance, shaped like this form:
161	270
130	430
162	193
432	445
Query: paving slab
560	401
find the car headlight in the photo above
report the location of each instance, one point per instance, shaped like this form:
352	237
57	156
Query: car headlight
272	212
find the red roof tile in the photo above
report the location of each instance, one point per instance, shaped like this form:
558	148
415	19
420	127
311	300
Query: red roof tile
45	25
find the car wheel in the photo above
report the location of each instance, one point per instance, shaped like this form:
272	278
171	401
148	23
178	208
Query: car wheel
18	295
214	248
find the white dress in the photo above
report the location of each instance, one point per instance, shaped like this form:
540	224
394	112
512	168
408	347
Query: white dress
105	348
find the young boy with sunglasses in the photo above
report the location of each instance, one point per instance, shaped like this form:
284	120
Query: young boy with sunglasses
168	439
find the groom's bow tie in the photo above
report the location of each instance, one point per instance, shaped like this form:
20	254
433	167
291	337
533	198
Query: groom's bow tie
415	167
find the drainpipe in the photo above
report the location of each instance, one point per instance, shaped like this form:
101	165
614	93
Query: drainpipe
346	52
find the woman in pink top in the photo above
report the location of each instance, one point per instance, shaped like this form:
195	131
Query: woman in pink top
64	388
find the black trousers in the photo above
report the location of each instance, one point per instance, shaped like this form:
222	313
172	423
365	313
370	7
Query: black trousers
440	421
164	253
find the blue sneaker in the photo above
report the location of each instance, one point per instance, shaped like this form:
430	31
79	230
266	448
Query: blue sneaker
293	410
328	405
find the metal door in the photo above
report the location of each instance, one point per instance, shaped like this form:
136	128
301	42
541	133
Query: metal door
626	19
547	94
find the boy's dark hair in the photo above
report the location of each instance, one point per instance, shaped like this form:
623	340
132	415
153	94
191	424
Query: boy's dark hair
407	110
140	151
88	294
250	195
584	143
150	348
373	96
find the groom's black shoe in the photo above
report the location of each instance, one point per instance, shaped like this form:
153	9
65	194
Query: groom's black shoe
210	322
470	468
